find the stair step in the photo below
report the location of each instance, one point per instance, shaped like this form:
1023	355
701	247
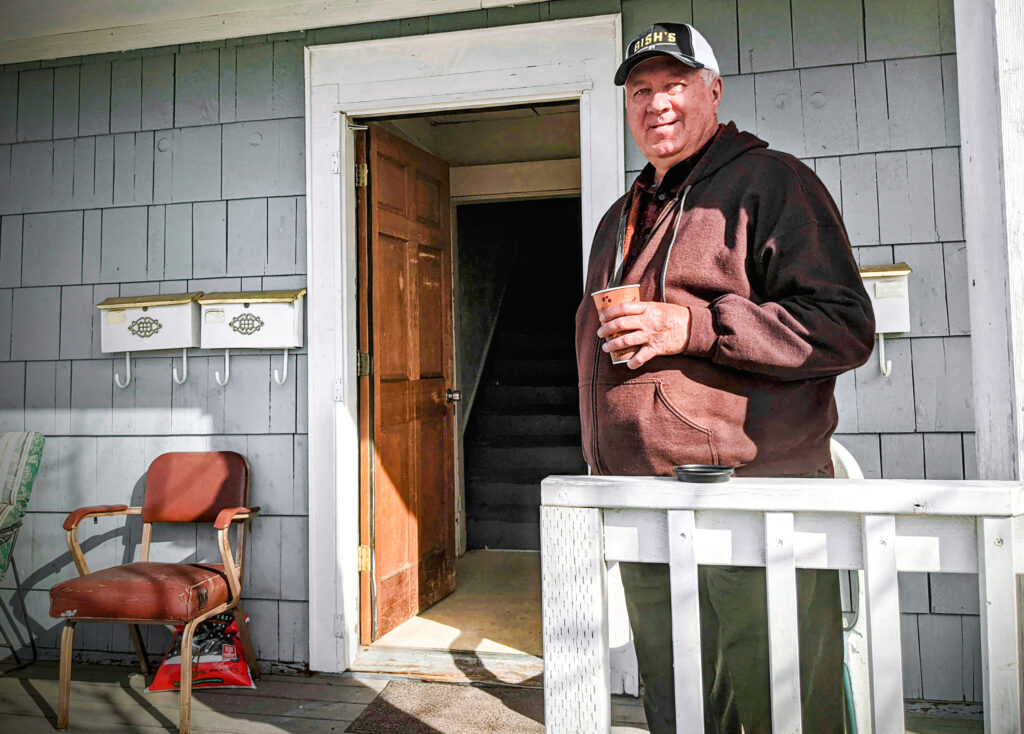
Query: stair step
512	343
496	397
559	371
528	475
506	513
487	461
502	534
526	409
541	423
569	441
482	492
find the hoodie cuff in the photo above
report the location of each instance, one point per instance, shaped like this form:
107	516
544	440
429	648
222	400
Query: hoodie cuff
702	333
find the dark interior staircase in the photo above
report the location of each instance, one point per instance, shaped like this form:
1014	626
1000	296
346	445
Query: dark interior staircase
524	424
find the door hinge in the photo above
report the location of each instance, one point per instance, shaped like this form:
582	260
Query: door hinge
362	364
335	162
362	174
364	558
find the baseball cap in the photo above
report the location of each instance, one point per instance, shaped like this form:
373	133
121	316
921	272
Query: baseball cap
681	41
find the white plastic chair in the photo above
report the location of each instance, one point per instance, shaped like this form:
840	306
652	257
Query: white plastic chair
855	632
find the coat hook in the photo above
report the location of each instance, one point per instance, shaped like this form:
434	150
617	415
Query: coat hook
883	364
282	377
184	368
128	369
227	370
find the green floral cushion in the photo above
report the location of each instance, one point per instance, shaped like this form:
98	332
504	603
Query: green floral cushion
20	454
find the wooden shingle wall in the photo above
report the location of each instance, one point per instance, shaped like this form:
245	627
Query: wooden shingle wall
169	170
182	168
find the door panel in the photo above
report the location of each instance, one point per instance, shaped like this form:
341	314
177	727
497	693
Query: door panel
408	509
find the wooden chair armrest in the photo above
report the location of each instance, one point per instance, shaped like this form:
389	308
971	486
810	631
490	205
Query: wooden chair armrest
232	566
81	513
229	514
75	518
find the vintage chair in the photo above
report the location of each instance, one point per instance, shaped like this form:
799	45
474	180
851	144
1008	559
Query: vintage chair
20	454
200	487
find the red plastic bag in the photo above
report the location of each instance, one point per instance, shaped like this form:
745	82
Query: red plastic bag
218	659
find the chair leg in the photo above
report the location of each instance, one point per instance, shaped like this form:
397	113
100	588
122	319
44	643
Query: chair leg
8	643
247	648
185	715
24	610
140	649
64	695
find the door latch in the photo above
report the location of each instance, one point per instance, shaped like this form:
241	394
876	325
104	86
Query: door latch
452	396
363	365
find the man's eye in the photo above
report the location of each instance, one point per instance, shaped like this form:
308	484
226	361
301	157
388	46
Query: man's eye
639	92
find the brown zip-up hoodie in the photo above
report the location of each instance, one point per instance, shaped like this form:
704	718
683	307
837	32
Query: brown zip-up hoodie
756	248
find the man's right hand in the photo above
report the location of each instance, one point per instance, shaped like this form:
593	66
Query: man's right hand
657	328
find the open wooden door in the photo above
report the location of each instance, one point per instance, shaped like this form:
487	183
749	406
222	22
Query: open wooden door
406	414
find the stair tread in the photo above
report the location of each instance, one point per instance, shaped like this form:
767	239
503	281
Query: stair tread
517	440
559	409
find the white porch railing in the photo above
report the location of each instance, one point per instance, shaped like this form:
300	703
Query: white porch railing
880	526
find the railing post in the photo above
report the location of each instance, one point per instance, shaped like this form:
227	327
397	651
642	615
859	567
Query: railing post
686	660
997	591
783	639
883	609
577	697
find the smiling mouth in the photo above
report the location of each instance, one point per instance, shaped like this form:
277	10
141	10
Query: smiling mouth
659	125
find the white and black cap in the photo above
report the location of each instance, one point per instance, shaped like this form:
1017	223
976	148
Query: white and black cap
681	41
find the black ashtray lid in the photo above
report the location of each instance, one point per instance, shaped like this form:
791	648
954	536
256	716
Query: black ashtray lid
706	473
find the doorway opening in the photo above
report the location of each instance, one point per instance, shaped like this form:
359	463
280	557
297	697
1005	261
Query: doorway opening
517	280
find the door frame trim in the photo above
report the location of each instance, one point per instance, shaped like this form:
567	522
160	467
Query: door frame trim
572	59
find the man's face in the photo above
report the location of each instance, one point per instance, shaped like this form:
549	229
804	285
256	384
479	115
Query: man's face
671	111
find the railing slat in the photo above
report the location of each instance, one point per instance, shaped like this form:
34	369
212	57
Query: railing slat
783	640
997	590
689	687
575	614
883	609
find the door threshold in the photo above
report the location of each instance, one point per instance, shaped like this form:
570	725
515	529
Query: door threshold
452	666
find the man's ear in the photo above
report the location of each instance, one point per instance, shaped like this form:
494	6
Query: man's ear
716	91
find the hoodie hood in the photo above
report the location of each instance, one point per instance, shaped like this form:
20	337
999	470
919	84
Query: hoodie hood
727	144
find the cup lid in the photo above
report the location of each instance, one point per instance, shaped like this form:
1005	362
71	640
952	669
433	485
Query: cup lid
616	288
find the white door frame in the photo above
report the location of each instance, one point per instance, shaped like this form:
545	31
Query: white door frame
559	60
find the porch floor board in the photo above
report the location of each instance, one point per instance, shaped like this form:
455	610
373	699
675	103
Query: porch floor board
111	699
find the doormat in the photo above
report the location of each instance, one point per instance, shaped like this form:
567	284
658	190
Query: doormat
416	707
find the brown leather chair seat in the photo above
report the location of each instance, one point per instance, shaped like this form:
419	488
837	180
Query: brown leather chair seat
151	592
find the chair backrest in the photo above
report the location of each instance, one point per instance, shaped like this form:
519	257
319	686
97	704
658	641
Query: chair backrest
195	486
846	467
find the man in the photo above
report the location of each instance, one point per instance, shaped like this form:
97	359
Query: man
751	304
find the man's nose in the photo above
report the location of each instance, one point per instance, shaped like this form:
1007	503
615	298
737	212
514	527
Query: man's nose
659	102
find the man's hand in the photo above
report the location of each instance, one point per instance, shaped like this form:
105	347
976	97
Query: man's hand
657	328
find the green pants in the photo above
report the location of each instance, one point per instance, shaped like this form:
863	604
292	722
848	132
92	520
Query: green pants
734	647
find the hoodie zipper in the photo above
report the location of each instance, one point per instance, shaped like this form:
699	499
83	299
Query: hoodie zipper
616	276
617	273
672	242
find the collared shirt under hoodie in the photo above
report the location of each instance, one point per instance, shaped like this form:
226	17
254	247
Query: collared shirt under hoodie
650	201
757	251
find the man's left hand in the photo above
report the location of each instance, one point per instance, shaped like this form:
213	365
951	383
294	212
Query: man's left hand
657	328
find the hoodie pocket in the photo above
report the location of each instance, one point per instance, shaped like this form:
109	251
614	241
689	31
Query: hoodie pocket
641	432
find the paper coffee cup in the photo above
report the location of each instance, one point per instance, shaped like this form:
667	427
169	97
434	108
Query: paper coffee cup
607	298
